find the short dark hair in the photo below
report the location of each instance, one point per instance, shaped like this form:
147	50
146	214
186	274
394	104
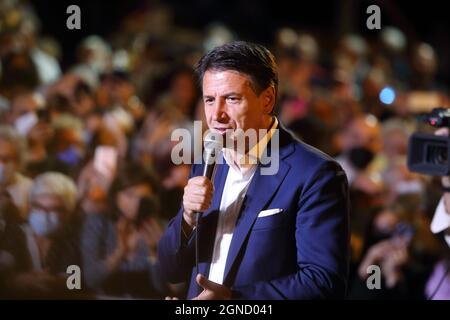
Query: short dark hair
248	58
132	174
82	89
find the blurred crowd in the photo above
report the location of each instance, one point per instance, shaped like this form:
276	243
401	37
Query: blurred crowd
86	176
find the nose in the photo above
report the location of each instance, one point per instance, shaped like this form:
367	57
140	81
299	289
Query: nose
219	113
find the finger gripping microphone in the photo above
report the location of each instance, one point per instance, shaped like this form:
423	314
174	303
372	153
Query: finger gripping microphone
212	147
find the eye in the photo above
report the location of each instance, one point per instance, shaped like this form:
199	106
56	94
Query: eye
208	100
233	99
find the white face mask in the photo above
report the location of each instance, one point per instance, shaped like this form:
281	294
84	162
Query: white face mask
43	224
6	172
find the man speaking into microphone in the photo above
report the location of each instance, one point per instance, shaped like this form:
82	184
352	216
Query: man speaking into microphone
277	234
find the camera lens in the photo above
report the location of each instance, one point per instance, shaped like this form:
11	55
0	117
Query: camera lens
428	154
437	155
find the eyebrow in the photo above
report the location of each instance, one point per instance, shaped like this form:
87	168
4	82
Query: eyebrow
224	95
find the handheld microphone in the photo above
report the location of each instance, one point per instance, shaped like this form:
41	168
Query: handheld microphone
213	146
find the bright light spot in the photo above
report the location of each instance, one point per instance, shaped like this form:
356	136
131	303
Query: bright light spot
371	120
387	95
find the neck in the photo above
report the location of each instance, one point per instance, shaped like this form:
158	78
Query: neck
250	155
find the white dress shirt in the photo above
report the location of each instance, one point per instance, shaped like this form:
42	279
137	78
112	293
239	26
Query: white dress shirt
441	221
236	184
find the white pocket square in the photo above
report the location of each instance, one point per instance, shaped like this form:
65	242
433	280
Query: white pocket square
269	212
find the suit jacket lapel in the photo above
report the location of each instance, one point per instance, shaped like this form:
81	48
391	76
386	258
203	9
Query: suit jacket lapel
208	221
260	192
219	183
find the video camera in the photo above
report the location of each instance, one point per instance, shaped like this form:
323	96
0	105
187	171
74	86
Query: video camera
427	153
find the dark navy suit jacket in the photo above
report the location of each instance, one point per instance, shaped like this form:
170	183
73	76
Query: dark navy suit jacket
299	253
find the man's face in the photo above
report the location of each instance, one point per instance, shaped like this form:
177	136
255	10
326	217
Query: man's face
231	102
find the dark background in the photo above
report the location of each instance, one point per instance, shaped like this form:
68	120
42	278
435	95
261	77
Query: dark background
255	20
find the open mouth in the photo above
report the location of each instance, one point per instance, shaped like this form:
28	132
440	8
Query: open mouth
222	131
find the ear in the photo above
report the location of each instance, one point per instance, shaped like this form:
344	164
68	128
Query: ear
268	99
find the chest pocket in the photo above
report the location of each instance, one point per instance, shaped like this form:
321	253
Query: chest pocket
271	220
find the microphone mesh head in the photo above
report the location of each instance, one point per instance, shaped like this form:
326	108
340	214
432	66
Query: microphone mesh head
213	140
213	145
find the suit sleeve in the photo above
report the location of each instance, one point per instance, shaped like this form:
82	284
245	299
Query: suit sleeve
176	253
322	243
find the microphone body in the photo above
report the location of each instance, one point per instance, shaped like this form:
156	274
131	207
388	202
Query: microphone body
212	150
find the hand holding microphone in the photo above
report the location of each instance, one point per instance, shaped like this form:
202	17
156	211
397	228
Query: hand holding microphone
198	193
197	197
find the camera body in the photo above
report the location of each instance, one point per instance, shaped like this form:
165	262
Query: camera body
427	153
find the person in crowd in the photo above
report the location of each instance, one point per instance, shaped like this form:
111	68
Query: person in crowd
119	247
360	142
11	236
12	157
49	242
388	247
